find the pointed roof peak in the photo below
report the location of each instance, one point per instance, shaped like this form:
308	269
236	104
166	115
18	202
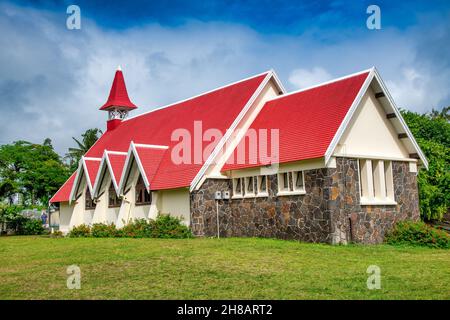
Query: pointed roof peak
118	96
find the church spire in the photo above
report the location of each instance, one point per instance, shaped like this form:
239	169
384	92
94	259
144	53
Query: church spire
118	103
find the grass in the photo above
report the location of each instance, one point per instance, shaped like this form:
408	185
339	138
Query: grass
35	268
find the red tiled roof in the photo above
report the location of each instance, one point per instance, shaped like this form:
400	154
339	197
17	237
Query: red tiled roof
92	167
150	159
63	193
118	96
307	121
216	109
117	162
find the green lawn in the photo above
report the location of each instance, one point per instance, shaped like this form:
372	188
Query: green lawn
35	268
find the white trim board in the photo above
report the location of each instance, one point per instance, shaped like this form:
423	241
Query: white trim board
82	166
373	74
232	128
99	173
105	159
151	146
86	173
348	116
132	152
376	157
321	84
400	118
75	183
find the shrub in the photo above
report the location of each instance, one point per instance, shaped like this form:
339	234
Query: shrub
139	228
101	230
56	234
31	227
167	226
417	234
164	226
80	231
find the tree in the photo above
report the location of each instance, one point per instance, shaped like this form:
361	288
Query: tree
33	170
87	141
444	113
432	132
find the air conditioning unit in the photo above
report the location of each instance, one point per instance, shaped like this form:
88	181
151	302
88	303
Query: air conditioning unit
218	195
226	195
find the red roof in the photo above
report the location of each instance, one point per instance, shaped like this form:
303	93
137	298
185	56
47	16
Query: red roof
150	159
216	109
307	121
63	193
92	167
117	162
118	96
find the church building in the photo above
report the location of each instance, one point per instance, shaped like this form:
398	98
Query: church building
333	163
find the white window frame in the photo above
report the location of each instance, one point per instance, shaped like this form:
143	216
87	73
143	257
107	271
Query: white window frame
259	192
281	186
376	186
235	182
389	178
249	194
294	180
291	189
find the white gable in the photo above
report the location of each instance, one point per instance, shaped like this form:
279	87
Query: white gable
370	133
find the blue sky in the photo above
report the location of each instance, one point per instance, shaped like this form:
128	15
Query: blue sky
52	80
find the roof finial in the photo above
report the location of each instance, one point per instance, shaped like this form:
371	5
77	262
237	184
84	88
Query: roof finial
119	68
118	95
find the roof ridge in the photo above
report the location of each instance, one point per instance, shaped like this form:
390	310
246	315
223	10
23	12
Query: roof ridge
322	84
198	95
115	152
150	146
92	158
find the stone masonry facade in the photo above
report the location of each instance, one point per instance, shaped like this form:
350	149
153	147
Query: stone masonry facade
329	212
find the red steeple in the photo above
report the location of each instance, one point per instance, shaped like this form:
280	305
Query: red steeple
118	96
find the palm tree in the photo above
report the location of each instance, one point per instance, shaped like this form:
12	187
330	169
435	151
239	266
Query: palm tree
87	141
444	113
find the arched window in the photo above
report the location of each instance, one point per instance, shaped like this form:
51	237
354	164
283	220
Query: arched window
113	199
142	195
89	204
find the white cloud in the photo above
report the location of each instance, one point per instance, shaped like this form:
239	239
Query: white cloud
302	78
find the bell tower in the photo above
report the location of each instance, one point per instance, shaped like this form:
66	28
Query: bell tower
118	104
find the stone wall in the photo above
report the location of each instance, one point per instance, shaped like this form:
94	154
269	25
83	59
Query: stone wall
369	223
329	212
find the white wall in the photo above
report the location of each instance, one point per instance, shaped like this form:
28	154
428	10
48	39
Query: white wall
129	211
103	213
65	215
370	133
176	203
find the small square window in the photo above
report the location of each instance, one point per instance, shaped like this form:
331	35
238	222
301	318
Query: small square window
249	187
284	181
113	199
299	184
237	187
142	194
262	186
89	202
